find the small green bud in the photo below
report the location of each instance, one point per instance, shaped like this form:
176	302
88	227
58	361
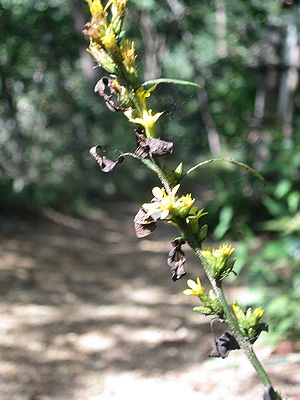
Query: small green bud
102	58
249	323
238	312
202	233
192	221
179	171
210	304
204	310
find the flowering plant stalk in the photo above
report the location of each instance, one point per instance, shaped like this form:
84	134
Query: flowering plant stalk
123	93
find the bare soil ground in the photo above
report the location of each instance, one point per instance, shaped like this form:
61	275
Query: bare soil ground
89	312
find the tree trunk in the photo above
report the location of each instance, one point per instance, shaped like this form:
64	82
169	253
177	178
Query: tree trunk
212	134
154	44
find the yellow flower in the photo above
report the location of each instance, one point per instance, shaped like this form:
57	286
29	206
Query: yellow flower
169	204
195	288
147	121
225	250
96	8
160	193
254	316
128	56
163	202
258	313
109	40
184	204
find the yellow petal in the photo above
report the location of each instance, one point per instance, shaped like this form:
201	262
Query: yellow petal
164	214
192	284
175	189
151	207
158	192
128	114
258	312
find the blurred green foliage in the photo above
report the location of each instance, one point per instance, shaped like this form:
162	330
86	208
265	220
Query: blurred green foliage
50	117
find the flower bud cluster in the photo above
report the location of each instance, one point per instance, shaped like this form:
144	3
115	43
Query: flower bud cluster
117	56
219	261
106	45
249	323
171	206
210	304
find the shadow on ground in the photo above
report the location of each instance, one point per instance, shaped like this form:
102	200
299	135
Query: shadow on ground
84	303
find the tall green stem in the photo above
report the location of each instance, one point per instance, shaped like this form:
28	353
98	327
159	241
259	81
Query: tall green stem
231	321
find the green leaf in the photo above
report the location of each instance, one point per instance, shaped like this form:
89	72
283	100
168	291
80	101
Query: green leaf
203	233
173	81
282	188
179	170
274	207
293	201
251	170
203	310
223	226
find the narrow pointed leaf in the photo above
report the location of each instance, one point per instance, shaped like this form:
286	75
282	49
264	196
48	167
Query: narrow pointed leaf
173	81
251	170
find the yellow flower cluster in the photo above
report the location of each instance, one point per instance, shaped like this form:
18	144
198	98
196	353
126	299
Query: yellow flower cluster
223	251
128	55
104	30
115	55
169	205
147	120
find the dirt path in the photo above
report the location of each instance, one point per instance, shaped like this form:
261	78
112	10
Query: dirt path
89	312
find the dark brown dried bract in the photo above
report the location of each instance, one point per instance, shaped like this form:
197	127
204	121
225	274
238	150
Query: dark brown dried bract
152	146
224	345
101	86
105	163
176	259
144	224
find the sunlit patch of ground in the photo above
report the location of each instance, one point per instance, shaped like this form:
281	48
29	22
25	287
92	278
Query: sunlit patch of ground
87	311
